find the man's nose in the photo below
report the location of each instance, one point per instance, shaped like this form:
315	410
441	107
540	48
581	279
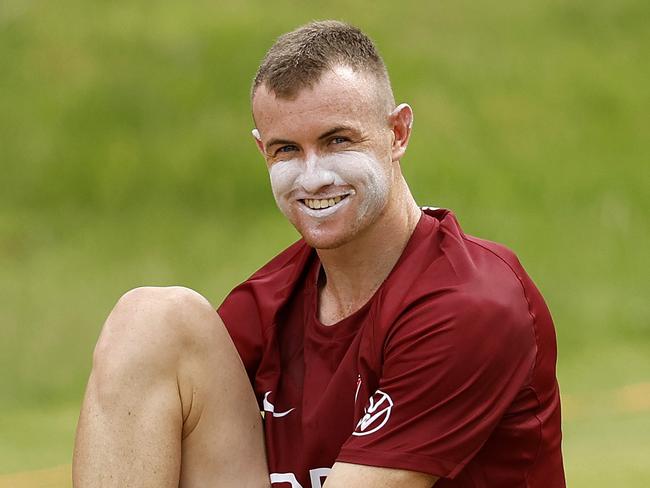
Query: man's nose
315	176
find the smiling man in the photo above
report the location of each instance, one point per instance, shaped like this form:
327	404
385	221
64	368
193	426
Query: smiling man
386	347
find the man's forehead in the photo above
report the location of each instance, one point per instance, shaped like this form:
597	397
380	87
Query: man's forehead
340	96
339	78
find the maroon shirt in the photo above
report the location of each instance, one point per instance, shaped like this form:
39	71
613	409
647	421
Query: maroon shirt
449	369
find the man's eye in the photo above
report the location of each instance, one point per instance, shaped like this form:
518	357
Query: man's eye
340	140
286	149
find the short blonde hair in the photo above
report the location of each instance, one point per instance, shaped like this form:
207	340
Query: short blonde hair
299	58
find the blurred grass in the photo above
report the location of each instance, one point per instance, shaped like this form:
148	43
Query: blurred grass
125	160
40	436
54	477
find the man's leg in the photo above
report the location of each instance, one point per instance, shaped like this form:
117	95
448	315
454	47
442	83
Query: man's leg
168	400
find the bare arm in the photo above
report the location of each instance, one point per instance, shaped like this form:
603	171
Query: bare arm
345	475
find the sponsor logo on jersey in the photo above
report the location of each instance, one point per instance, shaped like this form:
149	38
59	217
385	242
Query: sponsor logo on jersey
376	414
270	408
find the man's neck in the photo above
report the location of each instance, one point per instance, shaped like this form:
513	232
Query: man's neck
354	271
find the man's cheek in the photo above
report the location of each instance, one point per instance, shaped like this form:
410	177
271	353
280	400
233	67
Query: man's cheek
283	176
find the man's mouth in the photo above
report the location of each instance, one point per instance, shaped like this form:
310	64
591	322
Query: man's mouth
322	203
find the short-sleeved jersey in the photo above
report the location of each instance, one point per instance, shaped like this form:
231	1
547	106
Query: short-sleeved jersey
448	369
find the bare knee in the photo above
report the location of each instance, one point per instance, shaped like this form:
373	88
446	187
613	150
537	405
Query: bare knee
148	332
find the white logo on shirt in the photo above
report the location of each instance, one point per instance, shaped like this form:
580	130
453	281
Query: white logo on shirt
270	408
376	414
316	476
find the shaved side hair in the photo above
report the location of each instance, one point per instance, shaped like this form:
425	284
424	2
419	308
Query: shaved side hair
299	58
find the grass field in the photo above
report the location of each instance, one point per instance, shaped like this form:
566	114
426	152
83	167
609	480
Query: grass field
126	160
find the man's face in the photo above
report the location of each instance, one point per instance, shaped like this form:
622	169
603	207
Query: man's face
328	152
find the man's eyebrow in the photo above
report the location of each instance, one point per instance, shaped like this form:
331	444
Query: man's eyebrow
334	130
274	142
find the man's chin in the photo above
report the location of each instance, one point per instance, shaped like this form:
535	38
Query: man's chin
323	239
322	243
327	234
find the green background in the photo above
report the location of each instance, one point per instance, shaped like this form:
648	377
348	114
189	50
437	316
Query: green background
126	159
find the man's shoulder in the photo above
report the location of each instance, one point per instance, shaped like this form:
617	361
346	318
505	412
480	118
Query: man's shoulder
467	298
455	275
449	262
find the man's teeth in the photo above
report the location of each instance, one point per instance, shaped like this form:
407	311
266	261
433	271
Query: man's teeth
324	203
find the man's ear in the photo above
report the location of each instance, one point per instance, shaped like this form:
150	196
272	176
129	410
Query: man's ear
401	123
258	140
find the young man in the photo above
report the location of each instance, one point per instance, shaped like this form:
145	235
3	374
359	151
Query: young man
386	347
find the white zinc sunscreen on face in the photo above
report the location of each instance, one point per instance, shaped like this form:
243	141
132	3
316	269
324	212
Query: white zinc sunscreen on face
352	173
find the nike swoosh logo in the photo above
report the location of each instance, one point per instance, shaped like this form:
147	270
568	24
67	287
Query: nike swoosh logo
270	408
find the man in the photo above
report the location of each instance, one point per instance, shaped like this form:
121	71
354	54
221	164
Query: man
386	347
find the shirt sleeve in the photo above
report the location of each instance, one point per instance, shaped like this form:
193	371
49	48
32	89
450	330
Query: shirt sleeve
452	365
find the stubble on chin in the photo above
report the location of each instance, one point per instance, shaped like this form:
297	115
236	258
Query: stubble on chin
327	238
